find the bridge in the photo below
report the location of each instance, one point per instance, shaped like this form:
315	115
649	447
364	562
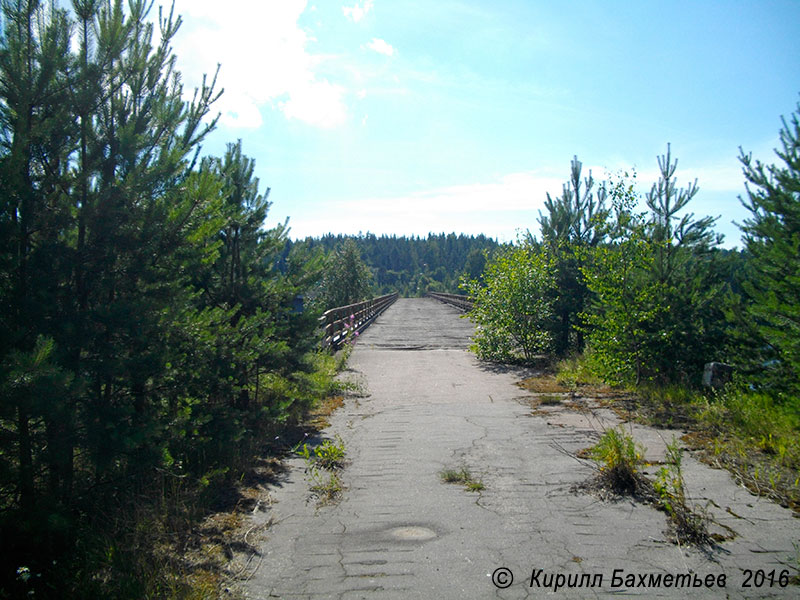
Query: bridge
517	525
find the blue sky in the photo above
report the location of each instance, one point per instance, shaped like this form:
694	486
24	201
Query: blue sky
417	116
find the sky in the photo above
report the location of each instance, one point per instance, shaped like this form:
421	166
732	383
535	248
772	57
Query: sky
414	116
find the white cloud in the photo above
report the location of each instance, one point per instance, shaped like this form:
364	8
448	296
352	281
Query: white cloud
497	208
358	11
381	47
265	61
316	103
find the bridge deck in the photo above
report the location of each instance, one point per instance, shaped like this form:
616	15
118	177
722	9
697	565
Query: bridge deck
400	532
419	324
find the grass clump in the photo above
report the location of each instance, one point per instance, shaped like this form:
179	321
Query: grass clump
462	476
329	455
322	463
327	487
619	457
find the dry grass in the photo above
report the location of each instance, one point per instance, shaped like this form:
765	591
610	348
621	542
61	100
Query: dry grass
549	383
544	384
754	468
319	415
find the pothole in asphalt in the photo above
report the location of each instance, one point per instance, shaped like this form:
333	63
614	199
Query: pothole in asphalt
412	532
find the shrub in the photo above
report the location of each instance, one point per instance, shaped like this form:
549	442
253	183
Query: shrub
512	309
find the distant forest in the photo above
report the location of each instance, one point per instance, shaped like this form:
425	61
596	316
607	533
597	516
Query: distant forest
414	266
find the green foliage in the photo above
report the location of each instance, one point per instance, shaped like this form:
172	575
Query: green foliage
575	371
329	455
770	310
513	306
346	280
569	227
669	484
626	304
757	420
322	462
464	477
148	341
644	289
657	288
619	457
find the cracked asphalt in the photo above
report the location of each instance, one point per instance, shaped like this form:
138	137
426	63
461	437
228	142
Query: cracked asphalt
399	531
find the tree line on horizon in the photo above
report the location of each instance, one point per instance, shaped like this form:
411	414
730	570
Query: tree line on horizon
409	265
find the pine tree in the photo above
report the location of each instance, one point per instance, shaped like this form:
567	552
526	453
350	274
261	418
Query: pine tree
687	266
568	226
346	280
100	209
37	138
772	238
673	233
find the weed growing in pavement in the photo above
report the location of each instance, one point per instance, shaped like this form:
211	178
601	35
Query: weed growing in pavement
462	476
328	455
327	490
322	464
475	486
690	522
619	457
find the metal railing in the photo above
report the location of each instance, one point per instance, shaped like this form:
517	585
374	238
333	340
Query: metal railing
343	321
461	302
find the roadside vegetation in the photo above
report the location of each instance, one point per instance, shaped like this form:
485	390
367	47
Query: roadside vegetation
627	296
154	356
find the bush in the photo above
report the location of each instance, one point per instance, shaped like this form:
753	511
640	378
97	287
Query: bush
513	309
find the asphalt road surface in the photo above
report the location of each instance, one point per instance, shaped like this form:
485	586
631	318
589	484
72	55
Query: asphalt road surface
400	532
